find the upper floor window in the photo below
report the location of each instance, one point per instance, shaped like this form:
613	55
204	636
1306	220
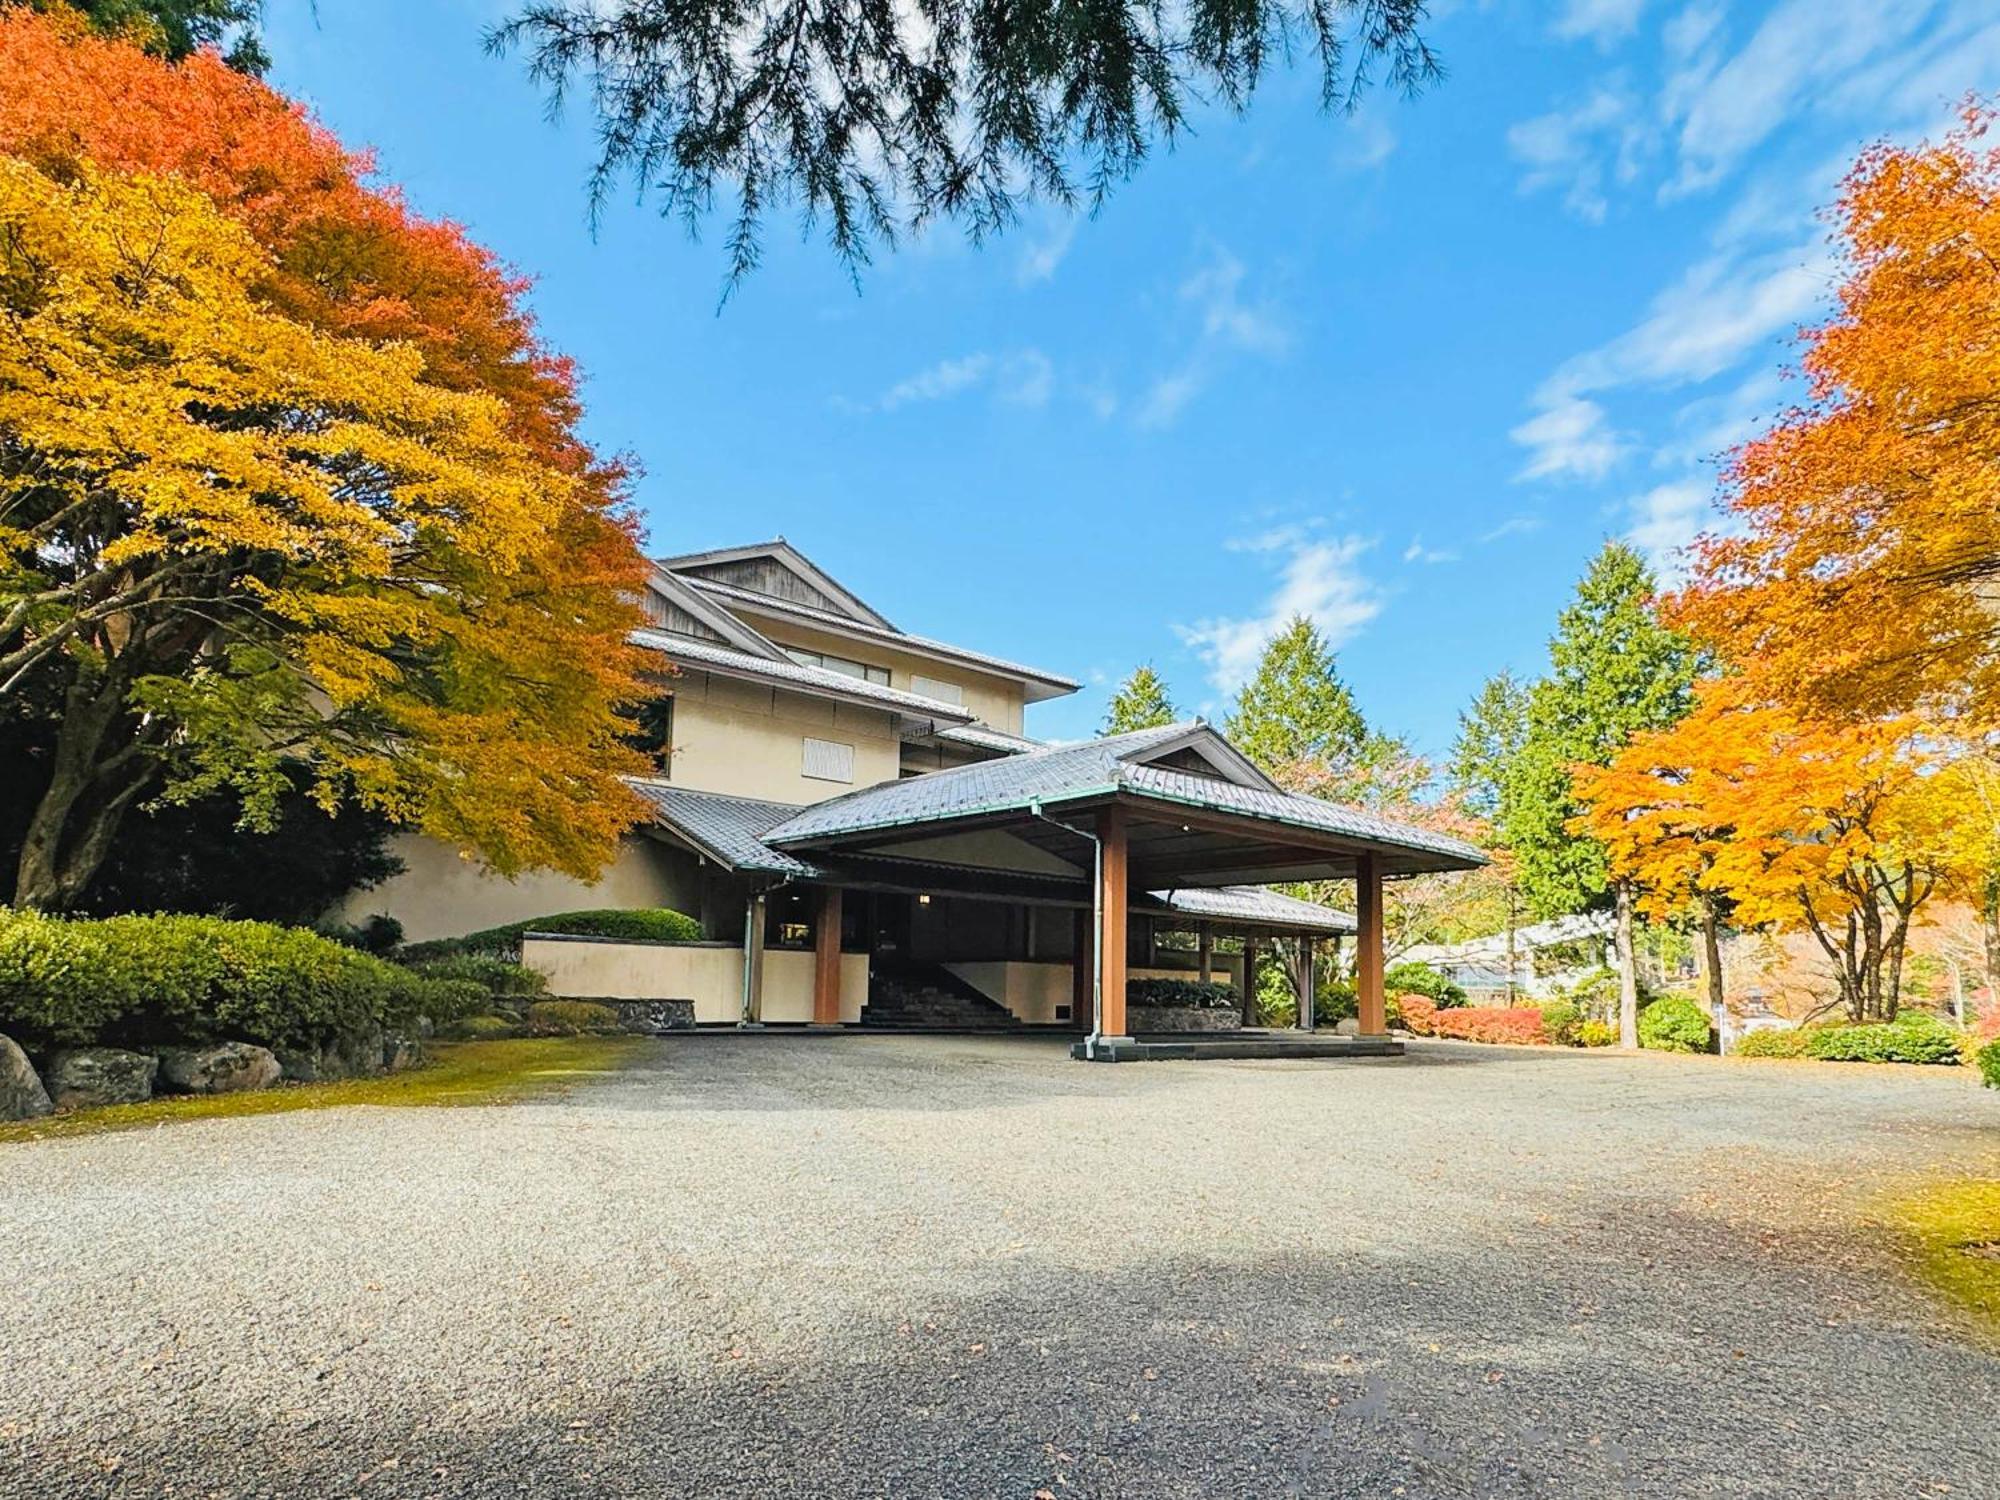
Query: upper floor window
828	760
931	687
841	664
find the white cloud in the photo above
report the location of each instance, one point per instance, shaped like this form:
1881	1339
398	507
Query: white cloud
1167	398
946	378
1320	578
1602	21
1584	149
1417	552
1512	526
1665	519
1723	310
1225	317
1365	142
1045	252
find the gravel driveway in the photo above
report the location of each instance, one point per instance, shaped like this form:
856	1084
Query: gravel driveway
965	1267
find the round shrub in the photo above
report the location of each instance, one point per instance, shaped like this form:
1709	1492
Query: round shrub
568	1017
1596	1034
1913	1037
1418	1013
1988	1061
1789	1041
1674	1023
1560	1023
1422	979
495	976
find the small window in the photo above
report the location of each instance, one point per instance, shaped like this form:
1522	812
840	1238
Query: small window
841	664
828	760
944	692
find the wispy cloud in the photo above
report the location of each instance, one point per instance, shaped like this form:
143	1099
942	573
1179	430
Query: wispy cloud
1045	252
1601	21
1665	519
1229	324
1365	142
1025	377
1318	577
1417	552
1583	150
1512	526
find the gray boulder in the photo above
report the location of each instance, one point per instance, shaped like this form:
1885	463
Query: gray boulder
93	1077
22	1096
400	1051
226	1068
1348	1027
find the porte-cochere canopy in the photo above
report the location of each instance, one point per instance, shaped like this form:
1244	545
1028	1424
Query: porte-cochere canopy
1171	820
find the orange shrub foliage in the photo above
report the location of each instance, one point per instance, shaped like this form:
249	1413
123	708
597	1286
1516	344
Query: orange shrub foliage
1520	1024
1418	1011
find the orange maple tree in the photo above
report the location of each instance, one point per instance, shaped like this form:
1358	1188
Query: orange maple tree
1863	575
1839	828
475	665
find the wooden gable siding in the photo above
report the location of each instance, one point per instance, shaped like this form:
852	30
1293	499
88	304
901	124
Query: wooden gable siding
664	614
768	576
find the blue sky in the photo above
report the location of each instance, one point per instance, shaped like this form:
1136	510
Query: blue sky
1403	372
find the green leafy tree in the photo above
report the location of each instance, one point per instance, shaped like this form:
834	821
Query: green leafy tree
1614	670
1141	702
877	123
175	28
1490	734
1295	712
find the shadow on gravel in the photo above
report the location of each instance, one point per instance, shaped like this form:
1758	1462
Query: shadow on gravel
1487	1374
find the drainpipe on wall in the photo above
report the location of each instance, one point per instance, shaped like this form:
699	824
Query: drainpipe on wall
1097	921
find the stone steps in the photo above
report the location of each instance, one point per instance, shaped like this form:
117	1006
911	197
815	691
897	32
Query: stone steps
931	1001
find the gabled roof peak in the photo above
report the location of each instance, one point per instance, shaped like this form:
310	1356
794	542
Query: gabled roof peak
778	570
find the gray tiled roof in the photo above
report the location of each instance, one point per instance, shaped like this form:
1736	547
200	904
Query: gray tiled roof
1257	904
728	829
888	636
986	737
1062	773
792	674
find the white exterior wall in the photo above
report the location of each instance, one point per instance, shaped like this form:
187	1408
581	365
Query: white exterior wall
444	894
749	741
709	974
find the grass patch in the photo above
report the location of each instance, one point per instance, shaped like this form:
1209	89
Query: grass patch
1954	1234
459	1073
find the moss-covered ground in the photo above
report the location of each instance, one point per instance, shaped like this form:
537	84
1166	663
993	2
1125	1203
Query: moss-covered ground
457	1074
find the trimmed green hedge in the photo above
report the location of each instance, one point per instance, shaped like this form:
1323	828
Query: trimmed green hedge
1987	1059
138	980
1674	1023
1913	1037
645	925
497	977
1789	1041
1181	994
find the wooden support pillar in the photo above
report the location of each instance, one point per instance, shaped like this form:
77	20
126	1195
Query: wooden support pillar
826	958
1308	989
1205	946
1083	973
1114	914
1249	996
1371	1011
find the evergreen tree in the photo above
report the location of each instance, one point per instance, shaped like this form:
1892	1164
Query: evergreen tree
1614	670
1295	711
175	28
1141	702
1490	733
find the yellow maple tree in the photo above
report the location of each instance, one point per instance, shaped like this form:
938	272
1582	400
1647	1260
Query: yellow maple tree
236	540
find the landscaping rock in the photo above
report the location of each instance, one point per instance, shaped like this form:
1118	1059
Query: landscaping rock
400	1052
93	1077
1347	1027
227	1068
653	1017
357	1056
22	1096
1155	1018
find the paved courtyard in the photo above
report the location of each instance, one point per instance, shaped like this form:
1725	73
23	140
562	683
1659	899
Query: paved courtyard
962	1267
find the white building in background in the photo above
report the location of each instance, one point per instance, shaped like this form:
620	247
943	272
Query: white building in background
1483	967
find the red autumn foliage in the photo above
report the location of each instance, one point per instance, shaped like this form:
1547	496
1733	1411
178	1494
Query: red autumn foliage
1521	1024
1418	1011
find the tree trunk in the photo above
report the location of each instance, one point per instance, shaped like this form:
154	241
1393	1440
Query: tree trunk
92	783
1628	972
1711	957
1513	958
1989	922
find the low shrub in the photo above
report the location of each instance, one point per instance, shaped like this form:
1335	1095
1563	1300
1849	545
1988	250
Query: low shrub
1561	1022
1336	1001
1489	1023
1182	994
1913	1037
380	934
497	977
1419	1013
145	980
643	925
479	1029
1422	979
568	1017
1596	1034
1987	1060
1788	1041
1674	1023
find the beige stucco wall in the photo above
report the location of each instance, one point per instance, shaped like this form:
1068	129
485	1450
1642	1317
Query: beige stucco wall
442	894
710	974
749	741
994	699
